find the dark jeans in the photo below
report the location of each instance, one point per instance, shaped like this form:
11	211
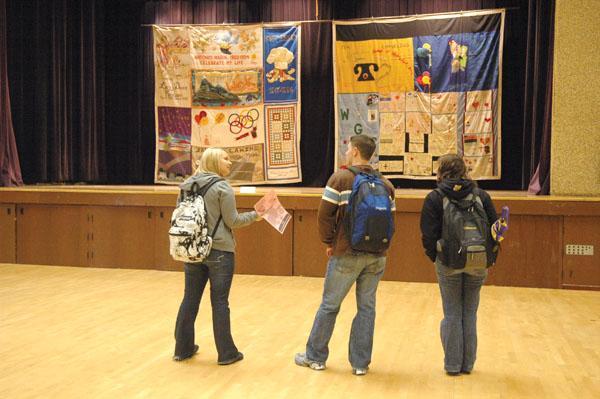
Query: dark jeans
218	268
458	330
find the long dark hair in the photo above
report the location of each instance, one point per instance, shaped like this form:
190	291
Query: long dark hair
452	166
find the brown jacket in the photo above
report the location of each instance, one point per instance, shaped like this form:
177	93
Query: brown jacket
332	209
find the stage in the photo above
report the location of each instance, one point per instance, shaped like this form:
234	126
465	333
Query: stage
126	227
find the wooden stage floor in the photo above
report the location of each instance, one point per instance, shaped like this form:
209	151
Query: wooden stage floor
108	333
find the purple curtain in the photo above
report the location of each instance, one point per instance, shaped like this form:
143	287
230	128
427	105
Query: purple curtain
537	113
82	90
56	70
10	170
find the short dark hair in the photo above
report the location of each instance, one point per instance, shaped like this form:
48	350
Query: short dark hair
365	145
451	166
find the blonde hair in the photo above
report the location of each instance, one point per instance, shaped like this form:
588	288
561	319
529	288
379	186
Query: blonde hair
209	161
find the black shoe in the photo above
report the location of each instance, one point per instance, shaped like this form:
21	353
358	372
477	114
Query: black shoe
453	373
178	358
465	372
237	358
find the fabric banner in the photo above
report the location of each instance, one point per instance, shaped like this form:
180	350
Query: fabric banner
422	87
233	87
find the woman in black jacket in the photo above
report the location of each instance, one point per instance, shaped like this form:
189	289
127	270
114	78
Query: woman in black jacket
459	284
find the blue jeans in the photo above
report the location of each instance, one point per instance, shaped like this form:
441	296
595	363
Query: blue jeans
458	330
218	268
342	271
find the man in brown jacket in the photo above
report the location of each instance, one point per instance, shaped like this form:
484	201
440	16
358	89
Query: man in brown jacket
345	267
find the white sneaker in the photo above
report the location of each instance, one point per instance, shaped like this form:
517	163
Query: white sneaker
301	360
360	371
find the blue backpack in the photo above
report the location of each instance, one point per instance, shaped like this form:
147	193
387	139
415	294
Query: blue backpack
369	222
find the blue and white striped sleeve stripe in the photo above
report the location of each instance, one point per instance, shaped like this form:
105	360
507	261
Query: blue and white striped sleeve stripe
344	197
336	197
331	195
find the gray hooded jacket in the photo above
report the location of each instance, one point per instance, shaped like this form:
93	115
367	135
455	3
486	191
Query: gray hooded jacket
220	200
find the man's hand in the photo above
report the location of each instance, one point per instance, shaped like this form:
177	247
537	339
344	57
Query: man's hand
329	251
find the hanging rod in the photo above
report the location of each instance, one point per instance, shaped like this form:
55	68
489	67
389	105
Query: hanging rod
312	21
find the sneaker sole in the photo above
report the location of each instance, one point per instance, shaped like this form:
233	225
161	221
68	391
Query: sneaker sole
312	366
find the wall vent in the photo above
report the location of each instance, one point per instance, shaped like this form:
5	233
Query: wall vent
578	249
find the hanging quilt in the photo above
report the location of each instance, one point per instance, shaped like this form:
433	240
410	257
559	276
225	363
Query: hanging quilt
235	87
422	87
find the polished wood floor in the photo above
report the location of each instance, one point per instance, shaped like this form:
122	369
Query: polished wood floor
107	333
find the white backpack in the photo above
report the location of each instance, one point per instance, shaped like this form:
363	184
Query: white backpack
189	240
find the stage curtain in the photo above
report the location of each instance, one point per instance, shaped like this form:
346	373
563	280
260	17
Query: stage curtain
10	170
48	74
56	74
537	115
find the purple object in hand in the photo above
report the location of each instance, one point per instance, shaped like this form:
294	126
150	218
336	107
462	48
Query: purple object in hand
501	225
504	217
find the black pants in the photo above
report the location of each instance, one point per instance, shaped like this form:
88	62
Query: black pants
218	268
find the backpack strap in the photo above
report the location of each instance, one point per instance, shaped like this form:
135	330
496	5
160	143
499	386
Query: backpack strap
357	171
476	196
445	199
204	191
471	199
196	190
208	185
354	170
217	225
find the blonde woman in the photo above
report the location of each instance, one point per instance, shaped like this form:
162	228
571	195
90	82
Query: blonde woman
222	217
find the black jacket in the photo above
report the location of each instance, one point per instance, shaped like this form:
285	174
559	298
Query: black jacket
432	214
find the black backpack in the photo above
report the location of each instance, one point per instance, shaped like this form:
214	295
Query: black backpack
466	238
369	221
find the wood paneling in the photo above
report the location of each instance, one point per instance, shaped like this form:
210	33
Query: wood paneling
260	249
162	258
531	254
122	237
8	231
579	270
52	235
524	261
292	198
406	260
310	258
128	231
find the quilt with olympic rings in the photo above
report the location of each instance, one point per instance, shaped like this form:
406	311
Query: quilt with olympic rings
236	87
